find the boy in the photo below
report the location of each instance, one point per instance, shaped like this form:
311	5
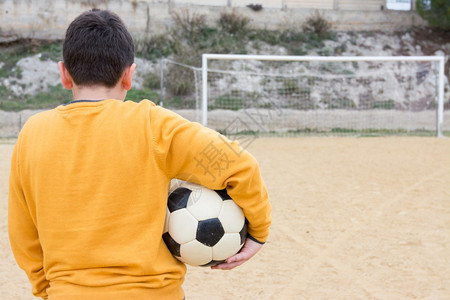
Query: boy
89	179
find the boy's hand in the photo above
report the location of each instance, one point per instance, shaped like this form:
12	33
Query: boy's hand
248	251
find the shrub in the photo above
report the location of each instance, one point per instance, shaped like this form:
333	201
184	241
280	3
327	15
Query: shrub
155	47
152	81
54	96
436	12
338	103
387	104
234	23
191	28
227	101
138	95
10	54
290	87
271	37
179	82
179	103
318	25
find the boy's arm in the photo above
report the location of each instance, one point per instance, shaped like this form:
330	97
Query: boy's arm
191	152
23	234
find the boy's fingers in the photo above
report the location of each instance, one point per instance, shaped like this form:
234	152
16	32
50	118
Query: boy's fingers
232	262
237	257
228	266
250	248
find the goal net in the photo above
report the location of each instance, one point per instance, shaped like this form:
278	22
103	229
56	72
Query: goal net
180	89
292	95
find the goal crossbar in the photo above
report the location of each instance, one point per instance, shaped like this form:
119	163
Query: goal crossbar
439	59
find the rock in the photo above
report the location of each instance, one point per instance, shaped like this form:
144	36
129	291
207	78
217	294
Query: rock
407	37
446	48
36	75
439	53
8	39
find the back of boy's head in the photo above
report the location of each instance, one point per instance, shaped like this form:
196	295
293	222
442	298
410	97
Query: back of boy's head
97	49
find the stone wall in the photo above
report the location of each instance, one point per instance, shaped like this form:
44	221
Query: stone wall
48	19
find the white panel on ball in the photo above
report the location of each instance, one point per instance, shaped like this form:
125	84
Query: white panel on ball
195	253
182	226
231	216
227	246
206	206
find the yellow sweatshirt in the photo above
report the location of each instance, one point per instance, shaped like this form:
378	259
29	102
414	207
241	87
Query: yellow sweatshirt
88	195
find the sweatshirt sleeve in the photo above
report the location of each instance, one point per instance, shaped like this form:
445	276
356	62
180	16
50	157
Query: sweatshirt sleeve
23	234
192	152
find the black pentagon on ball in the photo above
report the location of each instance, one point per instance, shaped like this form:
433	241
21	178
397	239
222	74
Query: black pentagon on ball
223	194
178	199
213	263
243	232
173	246
210	231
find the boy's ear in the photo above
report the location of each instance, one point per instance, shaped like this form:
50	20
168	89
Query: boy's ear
128	76
66	79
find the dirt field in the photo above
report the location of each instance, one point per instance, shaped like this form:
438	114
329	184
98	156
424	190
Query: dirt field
353	218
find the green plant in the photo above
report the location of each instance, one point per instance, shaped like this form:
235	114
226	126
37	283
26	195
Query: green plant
179	82
340	49
4	92
52	97
191	36
290	36
387	104
297	49
191	28
318	25
325	51
234	23
138	95
295	41
436	12
289	87
155	47
174	103
9	57
332	102
152	81
179	103
51	51
271	37
227	43
227	101
10	54
8	105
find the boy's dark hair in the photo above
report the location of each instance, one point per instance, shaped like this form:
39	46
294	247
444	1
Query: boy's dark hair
97	48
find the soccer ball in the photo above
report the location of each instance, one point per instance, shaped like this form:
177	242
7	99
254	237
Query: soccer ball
203	227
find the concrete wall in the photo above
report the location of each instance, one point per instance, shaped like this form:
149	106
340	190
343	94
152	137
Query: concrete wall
48	19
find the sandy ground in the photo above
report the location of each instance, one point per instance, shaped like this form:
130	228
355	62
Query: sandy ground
353	218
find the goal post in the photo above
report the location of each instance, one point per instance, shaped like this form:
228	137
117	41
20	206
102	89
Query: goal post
344	90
